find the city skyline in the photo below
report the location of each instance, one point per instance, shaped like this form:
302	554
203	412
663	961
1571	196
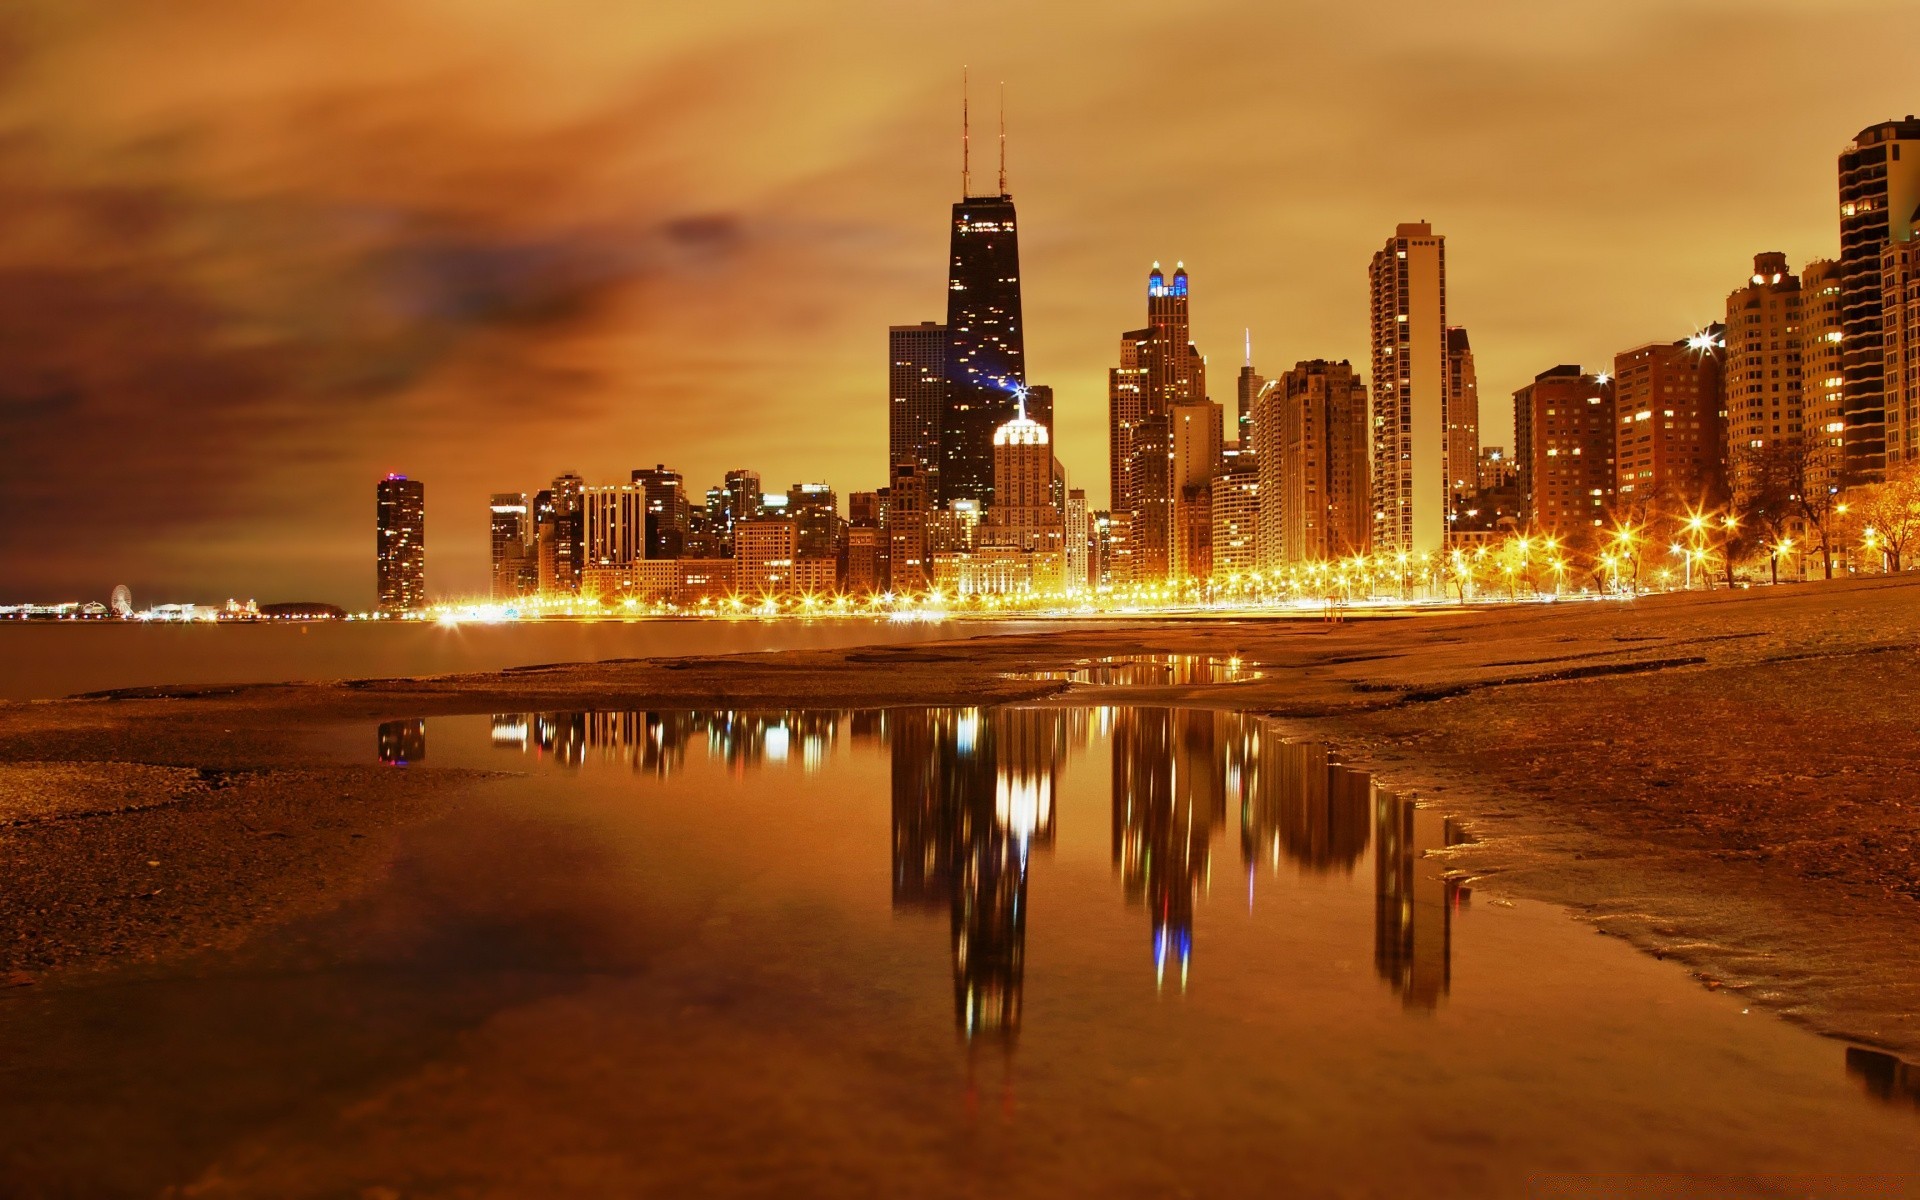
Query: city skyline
251	474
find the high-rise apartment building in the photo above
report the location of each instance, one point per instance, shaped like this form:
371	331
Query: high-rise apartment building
668	514
1247	391
1236	517
1823	368
1463	415
1900	335
613	525
986	352
1196	438
1762	384
1564	439
1078	541
510	537
1879	206
1667	435
1315	447
400	562
1126	408
917	389
1024	515
1410	481
815	513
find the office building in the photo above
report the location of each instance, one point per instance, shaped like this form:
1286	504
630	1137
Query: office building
905	525
1247	390
565	556
764	551
1879	203
1079	541
1235	496
815	512
667	511
916	389
986	356
1410	482
400	562
1196	443
510	537
1160	370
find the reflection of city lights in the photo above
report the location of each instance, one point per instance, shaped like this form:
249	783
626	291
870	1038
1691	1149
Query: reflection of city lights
1022	803
776	743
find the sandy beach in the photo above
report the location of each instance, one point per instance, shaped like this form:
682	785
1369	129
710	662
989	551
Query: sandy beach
1725	779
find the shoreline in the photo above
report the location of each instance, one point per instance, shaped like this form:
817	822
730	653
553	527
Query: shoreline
1724	779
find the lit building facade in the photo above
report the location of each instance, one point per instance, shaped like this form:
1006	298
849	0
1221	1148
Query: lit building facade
1667	435
1196	439
986	352
510	536
1823	368
1410	480
1236	518
1762	384
1079	542
1564	441
1879	202
614	525
916	389
1160	370
764	551
905	526
400	563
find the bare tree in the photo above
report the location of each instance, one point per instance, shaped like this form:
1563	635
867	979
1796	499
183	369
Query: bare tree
1770	482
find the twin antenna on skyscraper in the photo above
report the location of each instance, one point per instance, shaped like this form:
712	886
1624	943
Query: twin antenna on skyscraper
966	149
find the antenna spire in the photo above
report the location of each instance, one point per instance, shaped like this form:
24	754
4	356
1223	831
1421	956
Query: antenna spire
1003	137
966	162
1249	346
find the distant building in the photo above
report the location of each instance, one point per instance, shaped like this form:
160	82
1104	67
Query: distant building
1667	439
986	348
908	504
1247	391
1410	482
1879	205
1496	468
863	571
1024	517
764	550
1463	414
400	564
815	513
917	388
1563	427
614	526
1314	444
515	571
667	511
1160	370
1126	409
1823	368
1079	541
566	534
1196	444
1235	537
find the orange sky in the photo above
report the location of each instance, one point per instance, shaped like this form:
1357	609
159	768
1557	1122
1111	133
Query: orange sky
257	254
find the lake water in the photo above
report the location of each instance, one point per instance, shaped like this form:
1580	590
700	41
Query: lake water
46	659
1020	951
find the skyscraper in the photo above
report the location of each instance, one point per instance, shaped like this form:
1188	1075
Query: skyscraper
1312	430
510	536
400	563
568	535
1159	371
815	513
1762	385
1024	515
916	388
1879	205
905	525
986	351
1463	415
1126	408
1236	516
1196	442
667	511
1249	385
1410	501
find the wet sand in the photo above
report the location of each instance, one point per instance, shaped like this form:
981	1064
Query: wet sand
1727	779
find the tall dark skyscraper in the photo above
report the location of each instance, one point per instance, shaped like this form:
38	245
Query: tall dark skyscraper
1879	206
986	354
667	510
916	390
400	567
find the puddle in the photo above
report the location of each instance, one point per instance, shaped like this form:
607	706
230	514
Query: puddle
1153	670
1016	951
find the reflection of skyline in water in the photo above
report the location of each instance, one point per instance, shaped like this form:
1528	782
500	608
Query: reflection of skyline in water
402	742
974	792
